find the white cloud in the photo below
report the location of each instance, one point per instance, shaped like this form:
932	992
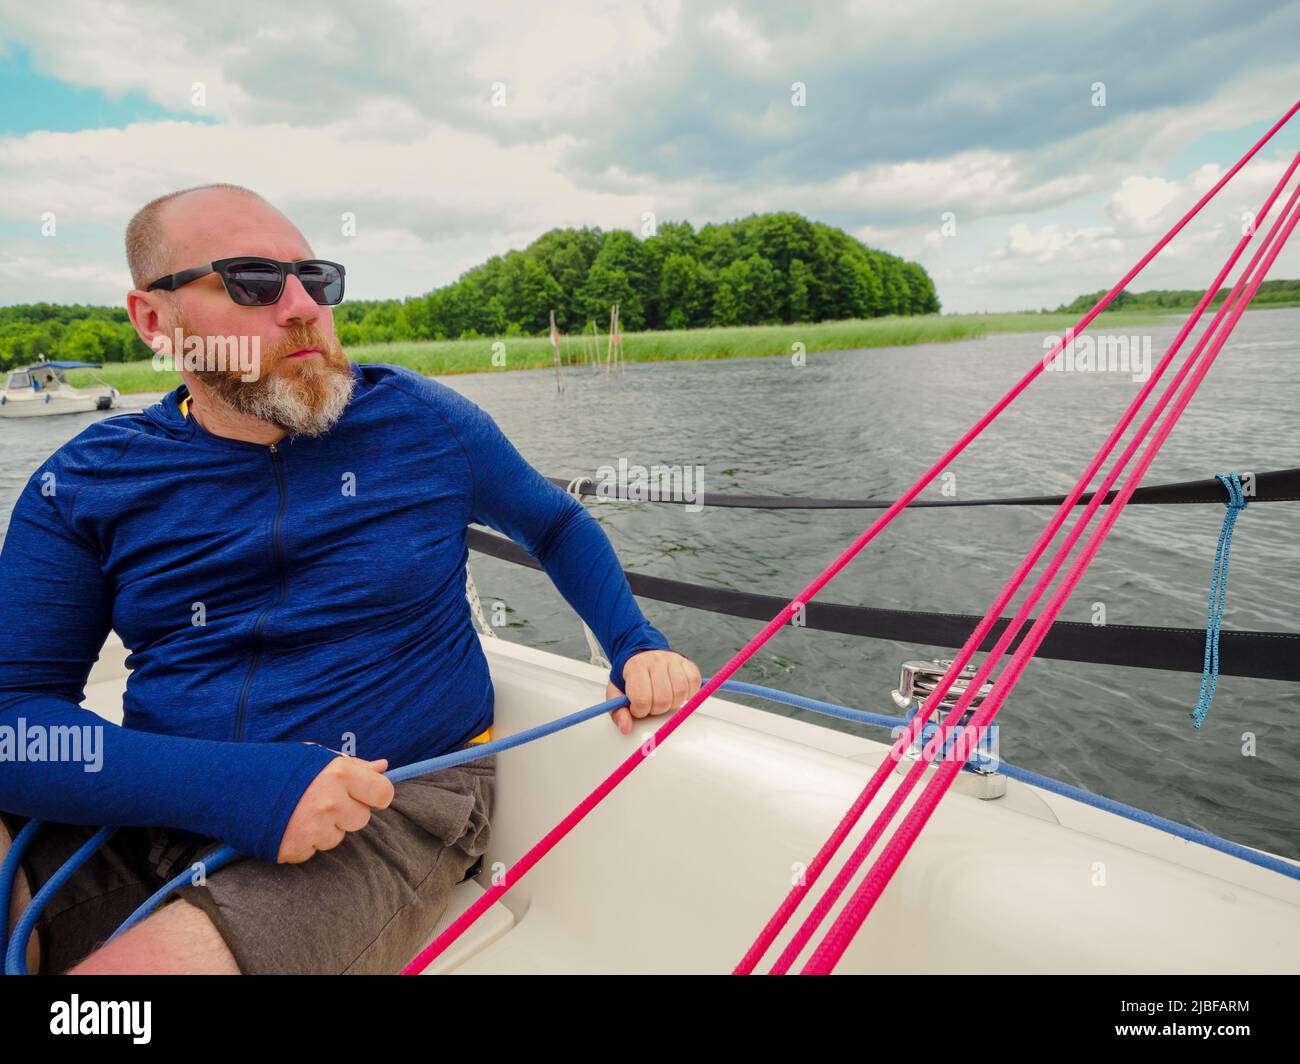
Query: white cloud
1049	243
1140	201
679	109
739	35
418	202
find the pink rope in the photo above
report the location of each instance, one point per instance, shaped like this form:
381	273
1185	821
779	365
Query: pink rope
864	898
792	901
976	639
579	812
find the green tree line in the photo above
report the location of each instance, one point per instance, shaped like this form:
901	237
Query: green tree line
764	269
83	333
1280	293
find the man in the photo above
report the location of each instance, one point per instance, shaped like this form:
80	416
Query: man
283	551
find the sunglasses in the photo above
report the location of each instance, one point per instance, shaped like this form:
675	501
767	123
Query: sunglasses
252	281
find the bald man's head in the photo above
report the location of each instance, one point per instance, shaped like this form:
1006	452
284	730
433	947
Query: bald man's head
303	379
152	236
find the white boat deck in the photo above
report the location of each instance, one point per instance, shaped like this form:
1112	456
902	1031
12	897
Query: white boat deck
679	868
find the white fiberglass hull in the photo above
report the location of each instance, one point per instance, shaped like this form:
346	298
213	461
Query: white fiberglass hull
46	404
679	868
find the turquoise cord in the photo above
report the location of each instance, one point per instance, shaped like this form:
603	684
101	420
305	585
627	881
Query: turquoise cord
1218	596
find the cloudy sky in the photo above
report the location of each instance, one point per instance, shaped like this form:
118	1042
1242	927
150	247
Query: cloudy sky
455	131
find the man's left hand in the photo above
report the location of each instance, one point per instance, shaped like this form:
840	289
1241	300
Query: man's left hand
657	681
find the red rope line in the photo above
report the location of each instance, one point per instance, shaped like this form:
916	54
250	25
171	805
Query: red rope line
818	865
976	639
864	898
575	816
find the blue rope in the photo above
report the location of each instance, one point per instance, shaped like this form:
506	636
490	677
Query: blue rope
826	709
8	871
220	858
223	856
1110	805
16	955
1218	595
1141	816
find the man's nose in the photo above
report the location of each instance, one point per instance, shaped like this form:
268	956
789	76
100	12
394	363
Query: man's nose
295	304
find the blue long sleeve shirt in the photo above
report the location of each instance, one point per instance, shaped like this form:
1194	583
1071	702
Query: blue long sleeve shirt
277	602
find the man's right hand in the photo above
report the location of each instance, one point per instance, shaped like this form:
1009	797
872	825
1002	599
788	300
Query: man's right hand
338	800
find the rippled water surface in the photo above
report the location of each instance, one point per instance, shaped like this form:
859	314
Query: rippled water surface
865	424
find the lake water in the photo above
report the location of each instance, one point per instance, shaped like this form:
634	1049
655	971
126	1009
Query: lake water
859	424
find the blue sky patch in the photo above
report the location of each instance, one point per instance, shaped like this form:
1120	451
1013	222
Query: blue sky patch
32	101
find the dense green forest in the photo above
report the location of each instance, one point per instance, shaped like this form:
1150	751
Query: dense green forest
87	334
768	268
1271	293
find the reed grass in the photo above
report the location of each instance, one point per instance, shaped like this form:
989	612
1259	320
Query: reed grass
438	357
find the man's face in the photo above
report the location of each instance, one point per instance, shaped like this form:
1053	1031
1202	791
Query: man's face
304	379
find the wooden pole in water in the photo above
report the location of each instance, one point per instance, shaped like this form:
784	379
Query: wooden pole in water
613	327
618	335
555	347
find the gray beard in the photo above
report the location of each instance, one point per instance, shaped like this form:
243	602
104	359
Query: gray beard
278	400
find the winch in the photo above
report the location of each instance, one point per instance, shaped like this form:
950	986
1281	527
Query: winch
917	680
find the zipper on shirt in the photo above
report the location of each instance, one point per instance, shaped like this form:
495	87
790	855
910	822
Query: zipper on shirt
277	553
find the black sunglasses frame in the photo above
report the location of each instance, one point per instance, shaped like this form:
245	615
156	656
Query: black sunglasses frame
219	266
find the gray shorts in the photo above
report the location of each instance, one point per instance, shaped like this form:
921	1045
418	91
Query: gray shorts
365	907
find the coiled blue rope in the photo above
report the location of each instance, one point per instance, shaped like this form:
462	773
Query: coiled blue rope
1218	595
226	854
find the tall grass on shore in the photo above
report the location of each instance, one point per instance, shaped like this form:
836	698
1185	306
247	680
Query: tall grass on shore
534	352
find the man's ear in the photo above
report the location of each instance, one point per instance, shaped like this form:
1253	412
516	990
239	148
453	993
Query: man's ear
149	313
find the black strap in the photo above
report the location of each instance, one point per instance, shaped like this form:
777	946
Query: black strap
1264	655
1283	485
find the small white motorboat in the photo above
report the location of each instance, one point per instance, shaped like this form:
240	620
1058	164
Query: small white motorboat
42	389
684	862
